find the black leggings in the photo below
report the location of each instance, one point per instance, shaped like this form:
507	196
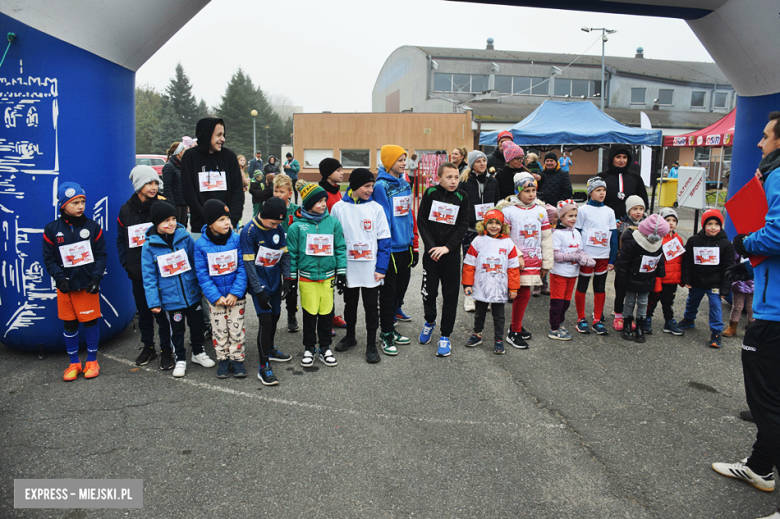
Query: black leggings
599	284
314	326
266	334
370	306
392	293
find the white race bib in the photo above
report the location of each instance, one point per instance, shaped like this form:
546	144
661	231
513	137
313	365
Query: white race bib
359	251
174	263
706	255
76	254
212	181
402	205
267	257
481	209
598	239
649	263
319	245
136	234
443	213
673	248
222	263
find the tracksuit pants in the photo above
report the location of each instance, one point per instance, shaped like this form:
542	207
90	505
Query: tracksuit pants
498	318
370	306
447	272
640	300
695	295
518	308
194	317
265	335
227	330
146	320
666	298
392	292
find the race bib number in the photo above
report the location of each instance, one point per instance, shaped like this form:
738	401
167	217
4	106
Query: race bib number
319	245
174	263
402	205
212	181
136	234
481	209
268	257
706	255
673	248
598	239
493	265
443	213
76	254
649	263
359	251
222	263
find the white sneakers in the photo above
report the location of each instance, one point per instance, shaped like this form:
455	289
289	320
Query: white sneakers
181	369
469	305
202	359
740	470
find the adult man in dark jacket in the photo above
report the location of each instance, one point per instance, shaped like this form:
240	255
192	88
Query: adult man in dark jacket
256	164
557	184
621	183
496	161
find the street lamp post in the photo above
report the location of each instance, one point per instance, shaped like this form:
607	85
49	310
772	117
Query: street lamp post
268	153
254	131
604	40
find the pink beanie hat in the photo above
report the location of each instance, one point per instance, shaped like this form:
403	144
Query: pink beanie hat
654	228
512	151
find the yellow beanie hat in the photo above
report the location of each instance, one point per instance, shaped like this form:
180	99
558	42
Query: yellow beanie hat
390	154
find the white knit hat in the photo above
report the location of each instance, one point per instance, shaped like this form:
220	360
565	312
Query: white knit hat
142	175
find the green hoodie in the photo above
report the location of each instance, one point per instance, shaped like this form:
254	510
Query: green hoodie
310	267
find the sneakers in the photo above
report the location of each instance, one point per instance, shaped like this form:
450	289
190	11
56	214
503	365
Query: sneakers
372	355
166	360
582	326
427	331
277	356
327	358
670	326
223	369
560	334
91	369
308	359
714	340
474	340
445	347
292	324
740	470
617	324
72	372
239	371
339	322
525	334
599	328
648	326
400	339
147	354
266	375
203	360
516	340
346	343
775	515
469	304
686	324
181	369
401	316
388	344
498	347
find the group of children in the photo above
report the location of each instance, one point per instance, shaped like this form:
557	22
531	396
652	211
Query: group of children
364	242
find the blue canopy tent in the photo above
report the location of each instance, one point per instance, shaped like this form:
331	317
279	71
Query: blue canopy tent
574	124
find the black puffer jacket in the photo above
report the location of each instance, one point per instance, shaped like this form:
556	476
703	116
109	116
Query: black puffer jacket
496	161
628	267
632	183
557	186
171	177
704	275
482	189
271	168
133	212
506	181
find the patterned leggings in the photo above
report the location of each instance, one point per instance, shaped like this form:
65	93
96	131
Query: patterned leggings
739	301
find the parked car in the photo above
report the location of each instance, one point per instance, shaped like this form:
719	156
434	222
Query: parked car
156	161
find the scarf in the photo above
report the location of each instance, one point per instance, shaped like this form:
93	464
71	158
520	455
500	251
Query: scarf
217	239
314	217
770	162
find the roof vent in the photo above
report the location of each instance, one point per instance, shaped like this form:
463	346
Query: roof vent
640	52
490	44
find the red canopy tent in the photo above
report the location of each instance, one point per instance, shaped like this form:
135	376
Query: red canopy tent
719	133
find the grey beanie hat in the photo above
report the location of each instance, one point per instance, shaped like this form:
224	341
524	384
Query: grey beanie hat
595	182
142	175
475	156
668	211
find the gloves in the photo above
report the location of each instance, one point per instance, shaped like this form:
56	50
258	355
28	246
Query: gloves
738	272
293	286
585	260
263	300
415	259
286	284
63	285
738	246
93	286
341	283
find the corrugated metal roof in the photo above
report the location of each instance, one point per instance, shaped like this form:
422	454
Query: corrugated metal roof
688	71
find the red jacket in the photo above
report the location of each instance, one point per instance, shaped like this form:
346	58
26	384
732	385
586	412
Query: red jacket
334	193
673	266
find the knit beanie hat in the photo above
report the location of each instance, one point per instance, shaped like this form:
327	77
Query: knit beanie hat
214	209
595	183
709	215
493	214
359	178
273	209
506	134
633	201
475	156
69	191
654	228
161	211
311	193
189	142
389	154
142	175
551	155
564	206
328	166
523	180
552	212
512	151
667	212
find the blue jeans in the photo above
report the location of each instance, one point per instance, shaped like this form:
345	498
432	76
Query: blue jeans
695	295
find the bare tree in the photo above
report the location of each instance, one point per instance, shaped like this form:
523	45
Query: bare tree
282	105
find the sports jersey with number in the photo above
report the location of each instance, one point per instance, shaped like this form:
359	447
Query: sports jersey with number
491	267
596	224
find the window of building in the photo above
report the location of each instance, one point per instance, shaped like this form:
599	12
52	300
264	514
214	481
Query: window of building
351	159
504	84
638	95
580	87
562	87
665	96
472	83
442	82
540	86
721	100
312	158
697	99
576	87
479	82
519	85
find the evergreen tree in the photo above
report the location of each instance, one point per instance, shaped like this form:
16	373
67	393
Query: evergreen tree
203	110
179	92
169	128
148	103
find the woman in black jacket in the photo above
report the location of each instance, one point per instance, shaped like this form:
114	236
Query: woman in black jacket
621	183
557	184
272	166
171	177
514	165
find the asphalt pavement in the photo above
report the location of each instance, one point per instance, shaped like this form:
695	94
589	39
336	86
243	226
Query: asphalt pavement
592	428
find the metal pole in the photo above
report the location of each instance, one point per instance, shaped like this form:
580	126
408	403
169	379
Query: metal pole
254	133
603	43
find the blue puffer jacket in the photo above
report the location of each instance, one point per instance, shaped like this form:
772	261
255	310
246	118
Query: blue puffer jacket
766	242
215	287
403	229
174	292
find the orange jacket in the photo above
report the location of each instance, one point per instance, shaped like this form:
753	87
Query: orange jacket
673	267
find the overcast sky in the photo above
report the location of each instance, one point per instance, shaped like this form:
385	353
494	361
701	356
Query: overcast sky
327	55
